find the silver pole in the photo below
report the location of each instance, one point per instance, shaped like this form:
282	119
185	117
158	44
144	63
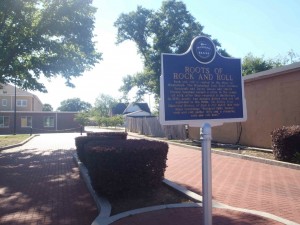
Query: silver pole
206	174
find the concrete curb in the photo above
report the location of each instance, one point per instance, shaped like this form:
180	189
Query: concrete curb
230	154
20	144
109	220
219	205
103	205
257	159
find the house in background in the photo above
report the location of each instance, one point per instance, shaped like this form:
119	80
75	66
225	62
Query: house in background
137	110
118	109
25	100
29	116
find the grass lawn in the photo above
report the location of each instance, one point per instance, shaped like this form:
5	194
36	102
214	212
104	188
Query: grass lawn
6	140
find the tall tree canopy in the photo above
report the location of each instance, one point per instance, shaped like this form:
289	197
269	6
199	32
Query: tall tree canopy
47	107
45	37
74	105
170	29
103	105
254	64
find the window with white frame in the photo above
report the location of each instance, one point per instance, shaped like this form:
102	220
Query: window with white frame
21	102
4	102
4	121
26	121
48	121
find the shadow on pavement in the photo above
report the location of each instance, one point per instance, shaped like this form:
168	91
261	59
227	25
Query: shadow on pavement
43	187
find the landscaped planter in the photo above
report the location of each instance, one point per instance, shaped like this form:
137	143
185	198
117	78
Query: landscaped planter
126	167
81	141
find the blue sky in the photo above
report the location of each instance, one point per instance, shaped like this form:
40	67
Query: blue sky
268	28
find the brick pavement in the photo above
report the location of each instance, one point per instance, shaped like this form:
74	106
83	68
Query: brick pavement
240	183
40	184
193	216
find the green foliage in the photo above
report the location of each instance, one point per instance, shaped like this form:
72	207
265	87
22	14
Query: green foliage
74	105
7	140
170	29
286	143
116	121
83	118
95	137
103	104
110	121
45	37
253	64
47	107
296	157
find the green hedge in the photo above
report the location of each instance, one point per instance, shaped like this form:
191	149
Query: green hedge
286	144
81	141
122	135
126	167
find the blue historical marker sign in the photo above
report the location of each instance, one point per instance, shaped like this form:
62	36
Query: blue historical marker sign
201	86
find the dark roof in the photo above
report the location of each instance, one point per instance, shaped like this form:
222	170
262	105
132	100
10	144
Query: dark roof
119	108
144	107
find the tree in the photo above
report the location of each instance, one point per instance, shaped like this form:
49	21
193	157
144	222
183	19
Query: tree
83	118
45	37
253	64
103	104
47	107
74	105
167	30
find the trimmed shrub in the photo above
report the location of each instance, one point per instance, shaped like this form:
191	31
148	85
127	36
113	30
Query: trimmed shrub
286	143
97	136
119	135
126	167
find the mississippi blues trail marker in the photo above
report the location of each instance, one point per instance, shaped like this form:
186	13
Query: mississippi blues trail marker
201	86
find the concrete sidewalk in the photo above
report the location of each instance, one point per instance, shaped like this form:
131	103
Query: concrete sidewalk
40	184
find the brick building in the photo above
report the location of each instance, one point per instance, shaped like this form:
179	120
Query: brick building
29	115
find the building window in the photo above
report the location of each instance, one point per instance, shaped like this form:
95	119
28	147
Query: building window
21	103
48	121
4	102
4	121
26	121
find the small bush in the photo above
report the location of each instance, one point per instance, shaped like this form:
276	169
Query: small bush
126	167
95	136
286	143
119	135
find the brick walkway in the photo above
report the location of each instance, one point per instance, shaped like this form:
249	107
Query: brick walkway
193	216
240	183
41	185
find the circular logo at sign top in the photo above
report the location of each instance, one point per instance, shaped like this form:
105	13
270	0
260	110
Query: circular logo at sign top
204	49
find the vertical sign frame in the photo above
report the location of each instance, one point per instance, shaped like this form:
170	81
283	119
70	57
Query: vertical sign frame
197	90
202	88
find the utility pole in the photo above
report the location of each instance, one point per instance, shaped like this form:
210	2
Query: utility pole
15	109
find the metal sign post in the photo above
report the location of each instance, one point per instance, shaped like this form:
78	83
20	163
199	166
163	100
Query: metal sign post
206	174
201	88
